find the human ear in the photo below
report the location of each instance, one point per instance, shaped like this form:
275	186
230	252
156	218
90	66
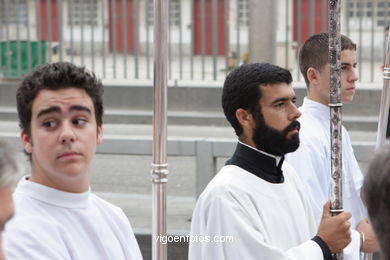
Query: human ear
312	75
245	118
26	141
99	134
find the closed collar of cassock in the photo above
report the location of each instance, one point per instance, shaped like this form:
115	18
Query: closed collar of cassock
265	166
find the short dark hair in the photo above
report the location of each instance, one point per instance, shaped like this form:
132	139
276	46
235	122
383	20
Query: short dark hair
55	76
376	194
314	52
242	88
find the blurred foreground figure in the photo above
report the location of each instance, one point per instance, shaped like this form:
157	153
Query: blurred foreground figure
9	171
376	194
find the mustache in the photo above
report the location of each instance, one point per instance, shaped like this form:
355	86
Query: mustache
294	124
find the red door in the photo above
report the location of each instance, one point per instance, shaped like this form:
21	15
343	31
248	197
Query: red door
47	11
208	41
120	21
305	19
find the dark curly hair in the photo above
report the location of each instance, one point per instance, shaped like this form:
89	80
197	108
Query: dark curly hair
55	76
242	89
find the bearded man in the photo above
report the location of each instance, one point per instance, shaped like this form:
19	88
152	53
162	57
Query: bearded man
257	200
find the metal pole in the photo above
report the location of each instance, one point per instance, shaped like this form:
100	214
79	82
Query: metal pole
335	110
159	165
385	99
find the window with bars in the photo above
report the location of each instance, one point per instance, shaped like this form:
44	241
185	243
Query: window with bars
12	12
174	13
83	12
380	10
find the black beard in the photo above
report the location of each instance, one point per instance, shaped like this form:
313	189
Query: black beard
273	141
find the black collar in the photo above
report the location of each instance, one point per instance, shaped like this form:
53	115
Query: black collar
257	163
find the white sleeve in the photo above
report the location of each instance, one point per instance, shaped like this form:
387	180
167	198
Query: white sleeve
225	216
313	167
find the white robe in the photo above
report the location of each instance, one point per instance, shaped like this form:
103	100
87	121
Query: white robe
50	225
312	163
266	221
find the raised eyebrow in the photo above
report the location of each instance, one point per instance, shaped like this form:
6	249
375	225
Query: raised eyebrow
56	109
80	108
49	110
